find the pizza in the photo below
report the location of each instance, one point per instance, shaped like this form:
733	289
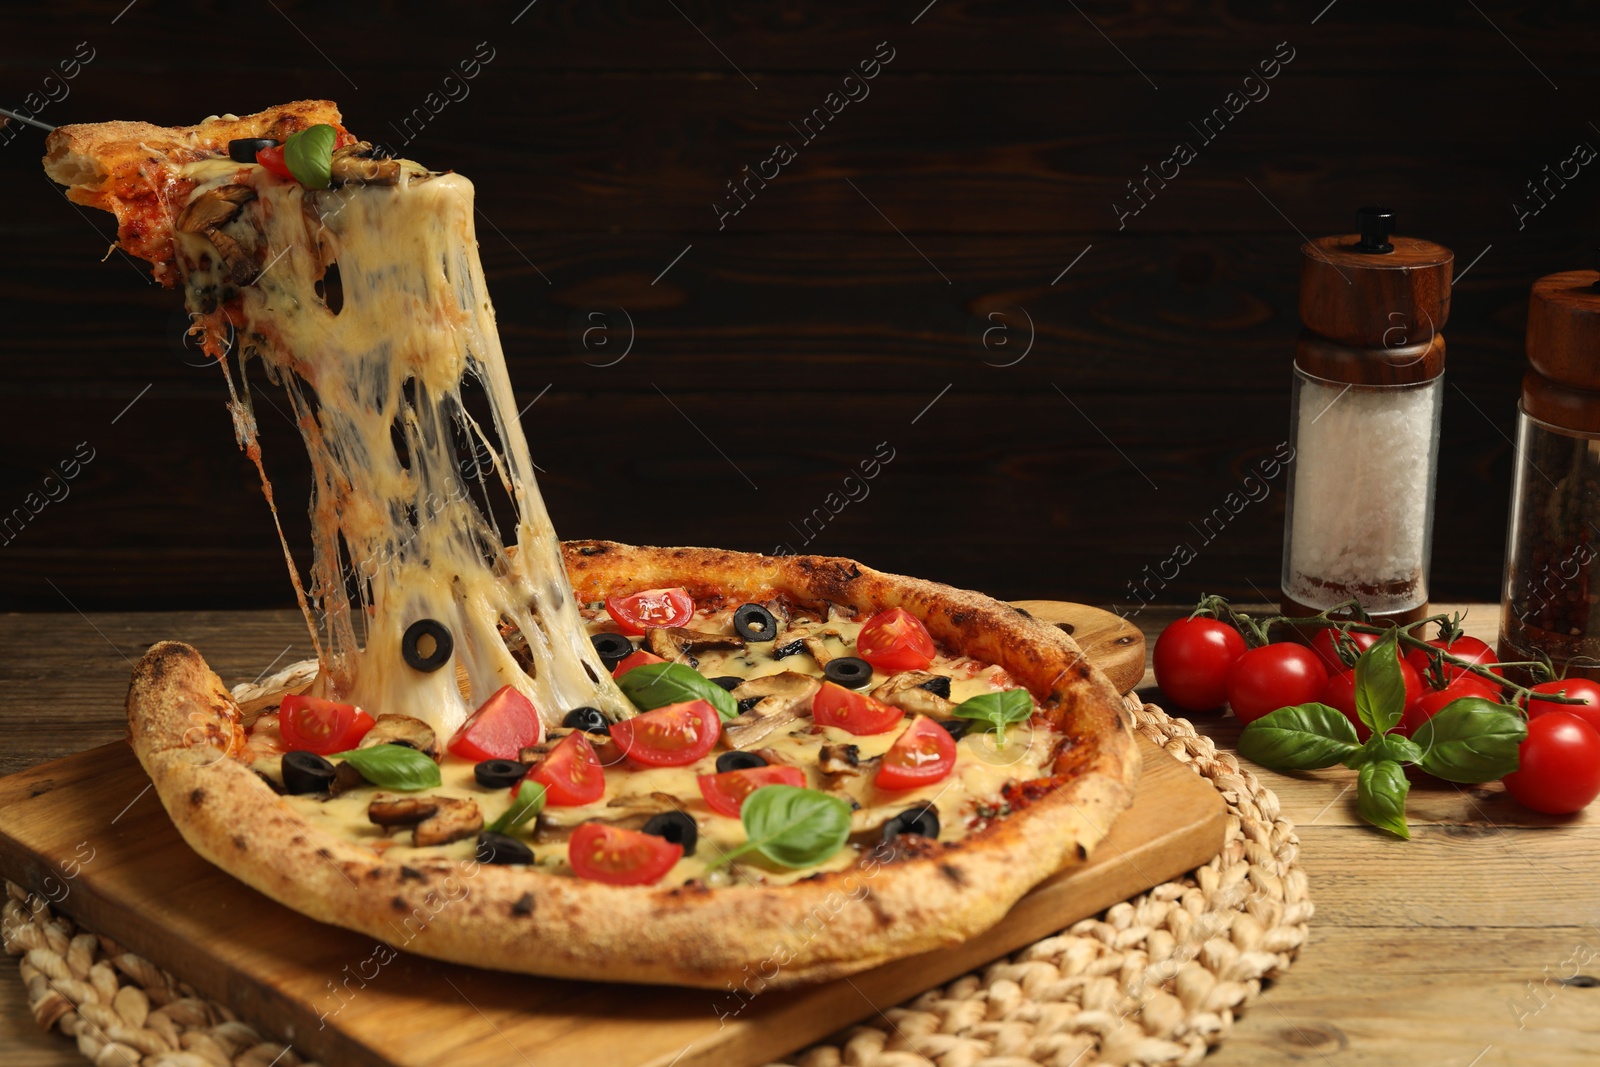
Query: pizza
586	760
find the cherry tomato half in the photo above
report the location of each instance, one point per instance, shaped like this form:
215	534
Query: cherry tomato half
1434	701
272	159
321	726
501	728
895	640
571	774
651	609
1322	643
856	713
1341	694
1559	770
618	856
924	754
1582	688
673	735
634	659
1274	676
725	793
1467	648
1192	661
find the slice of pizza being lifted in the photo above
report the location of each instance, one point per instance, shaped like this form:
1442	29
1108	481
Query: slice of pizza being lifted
792	738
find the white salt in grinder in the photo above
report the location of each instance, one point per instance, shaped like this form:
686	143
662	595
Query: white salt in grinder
1364	419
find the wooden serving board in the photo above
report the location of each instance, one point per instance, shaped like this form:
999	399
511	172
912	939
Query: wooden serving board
87	833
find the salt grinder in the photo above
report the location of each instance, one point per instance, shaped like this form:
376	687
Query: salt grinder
1364	419
1552	579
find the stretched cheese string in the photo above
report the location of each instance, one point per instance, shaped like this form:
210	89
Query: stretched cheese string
415	326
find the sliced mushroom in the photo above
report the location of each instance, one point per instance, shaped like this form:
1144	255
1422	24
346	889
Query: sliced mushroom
359	164
456	818
783	697
345	778
241	268
675	642
392	729
389	810
904	691
649	803
810	636
839	759
214	207
549	828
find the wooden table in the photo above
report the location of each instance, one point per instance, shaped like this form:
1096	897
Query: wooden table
1470	945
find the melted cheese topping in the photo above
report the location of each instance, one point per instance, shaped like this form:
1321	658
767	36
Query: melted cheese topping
375	387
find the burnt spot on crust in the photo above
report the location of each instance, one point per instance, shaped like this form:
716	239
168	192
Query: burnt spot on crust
325	854
399	904
197	797
298	839
694	887
879	915
593	550
952	872
240	843
1025	613
1083	853
524	905
410	874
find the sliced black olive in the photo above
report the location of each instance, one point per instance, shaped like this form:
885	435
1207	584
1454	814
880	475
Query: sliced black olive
754	623
922	820
430	634
244	149
793	648
677	828
749	702
499	773
727	681
613	649
738	761
589	720
956	728
939	687
848	671
504	850
306	772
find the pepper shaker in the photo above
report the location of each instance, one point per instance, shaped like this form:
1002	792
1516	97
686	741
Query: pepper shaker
1368	388
1552	581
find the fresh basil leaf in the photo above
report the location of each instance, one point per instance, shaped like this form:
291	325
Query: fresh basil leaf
1395	747
655	685
791	826
1300	738
997	710
393	767
528	802
1471	740
309	155
1381	789
1380	690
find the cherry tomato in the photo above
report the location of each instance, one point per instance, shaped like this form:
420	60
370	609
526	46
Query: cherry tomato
342	137
571	774
726	792
895	640
924	754
1341	694
1434	701
1467	648
501	728
272	159
651	609
1192	661
1322	644
321	726
1560	765
632	660
857	713
618	856
673	735
1274	676
1582	688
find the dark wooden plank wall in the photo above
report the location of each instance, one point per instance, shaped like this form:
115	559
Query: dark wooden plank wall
807	330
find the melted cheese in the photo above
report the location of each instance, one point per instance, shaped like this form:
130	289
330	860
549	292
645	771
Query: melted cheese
401	528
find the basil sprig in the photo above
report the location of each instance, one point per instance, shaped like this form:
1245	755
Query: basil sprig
1470	740
309	155
997	710
656	685
528	802
791	826
393	767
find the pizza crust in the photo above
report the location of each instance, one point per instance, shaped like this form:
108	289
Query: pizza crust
183	723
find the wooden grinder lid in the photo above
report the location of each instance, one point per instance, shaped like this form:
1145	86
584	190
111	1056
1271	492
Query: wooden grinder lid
1564	347
1368	291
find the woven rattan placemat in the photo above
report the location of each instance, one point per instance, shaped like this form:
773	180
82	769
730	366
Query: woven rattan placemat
1154	980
